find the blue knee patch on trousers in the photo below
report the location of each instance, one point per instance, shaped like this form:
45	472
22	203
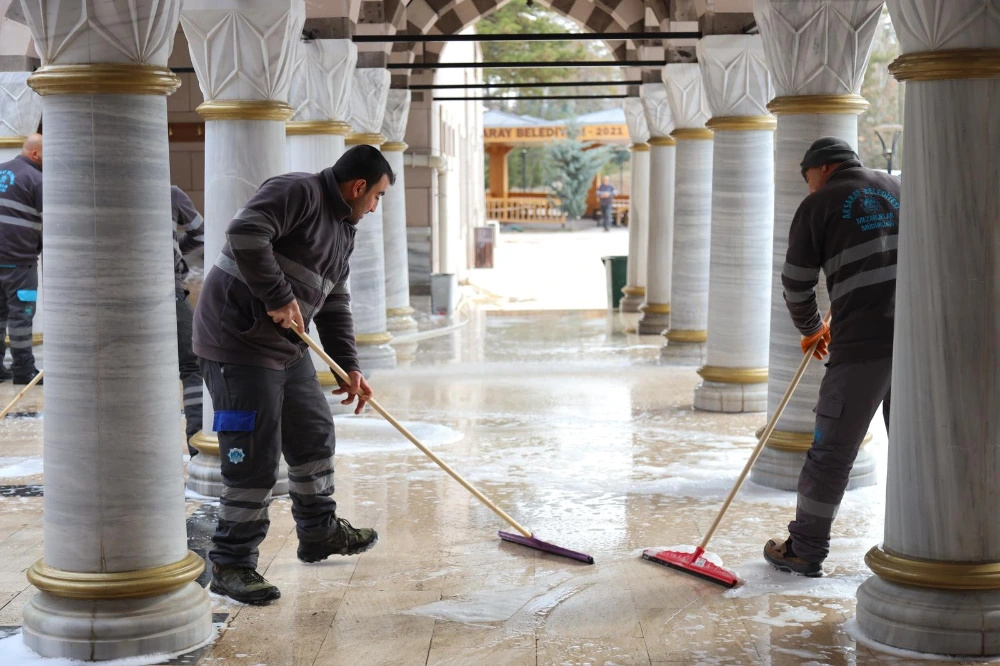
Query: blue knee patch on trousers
234	420
27	295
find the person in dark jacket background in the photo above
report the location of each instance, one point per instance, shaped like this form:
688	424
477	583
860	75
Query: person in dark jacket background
20	245
847	227
189	235
285	263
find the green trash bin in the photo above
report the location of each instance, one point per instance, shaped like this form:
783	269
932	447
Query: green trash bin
616	268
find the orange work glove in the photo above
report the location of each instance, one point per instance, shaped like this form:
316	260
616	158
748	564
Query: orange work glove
823	335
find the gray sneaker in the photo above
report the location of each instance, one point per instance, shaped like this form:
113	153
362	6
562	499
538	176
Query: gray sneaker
242	583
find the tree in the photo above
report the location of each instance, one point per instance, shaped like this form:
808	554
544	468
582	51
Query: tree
574	166
522	17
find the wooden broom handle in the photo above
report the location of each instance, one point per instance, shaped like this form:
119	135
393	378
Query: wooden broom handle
410	436
765	436
17	398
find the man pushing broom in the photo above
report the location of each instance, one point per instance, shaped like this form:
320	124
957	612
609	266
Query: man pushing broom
847	227
285	263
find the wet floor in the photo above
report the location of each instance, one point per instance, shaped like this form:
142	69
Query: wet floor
581	436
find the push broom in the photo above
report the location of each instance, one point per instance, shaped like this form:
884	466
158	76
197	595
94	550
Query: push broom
696	563
525	538
17	398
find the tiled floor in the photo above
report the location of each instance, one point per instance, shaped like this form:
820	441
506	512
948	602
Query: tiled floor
582	437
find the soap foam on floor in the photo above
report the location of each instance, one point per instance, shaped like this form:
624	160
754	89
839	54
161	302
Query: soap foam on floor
13	652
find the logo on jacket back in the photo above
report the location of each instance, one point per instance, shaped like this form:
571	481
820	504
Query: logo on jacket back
878	208
6	179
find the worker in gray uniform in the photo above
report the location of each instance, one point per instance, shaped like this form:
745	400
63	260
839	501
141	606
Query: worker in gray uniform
847	227
285	264
189	235
20	245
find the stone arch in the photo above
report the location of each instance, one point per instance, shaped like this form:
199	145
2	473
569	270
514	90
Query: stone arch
447	17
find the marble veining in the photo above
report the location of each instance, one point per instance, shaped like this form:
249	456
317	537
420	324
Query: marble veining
638	131
660	246
111	372
739	303
692	236
397	278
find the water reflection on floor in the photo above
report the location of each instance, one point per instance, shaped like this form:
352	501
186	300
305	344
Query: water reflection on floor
580	435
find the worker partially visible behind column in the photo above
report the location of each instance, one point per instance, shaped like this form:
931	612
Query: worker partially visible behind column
189	235
20	245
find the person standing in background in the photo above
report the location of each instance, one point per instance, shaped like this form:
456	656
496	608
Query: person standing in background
606	195
20	246
189	235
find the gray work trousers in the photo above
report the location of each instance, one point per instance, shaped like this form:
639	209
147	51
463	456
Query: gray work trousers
190	372
261	414
18	296
848	399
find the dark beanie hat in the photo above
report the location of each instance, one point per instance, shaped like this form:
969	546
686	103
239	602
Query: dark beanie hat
828	150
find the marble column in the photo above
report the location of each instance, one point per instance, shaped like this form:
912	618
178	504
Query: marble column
368	104
244	79
116	579
936	586
399	314
739	289
320	94
20	113
638	209
817	95
685	339
655	310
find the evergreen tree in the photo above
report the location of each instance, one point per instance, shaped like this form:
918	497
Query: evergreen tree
573	167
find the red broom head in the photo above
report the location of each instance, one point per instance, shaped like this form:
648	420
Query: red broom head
692	563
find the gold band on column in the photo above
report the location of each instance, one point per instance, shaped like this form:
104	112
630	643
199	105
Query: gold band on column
103	79
634	291
742	123
12	141
714	373
244	109
367	138
639	147
399	312
137	584
310	127
904	570
206	443
820	104
326	379
655	308
693	134
368	339
794	442
676	335
947	64
662	141
394	146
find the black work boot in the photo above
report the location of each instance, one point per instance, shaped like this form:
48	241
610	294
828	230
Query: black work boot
783	558
347	540
242	583
22	380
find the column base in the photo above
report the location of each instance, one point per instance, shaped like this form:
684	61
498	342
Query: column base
730	398
401	325
683	353
376	357
780	469
931	620
653	323
114	629
631	302
205	469
629	320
